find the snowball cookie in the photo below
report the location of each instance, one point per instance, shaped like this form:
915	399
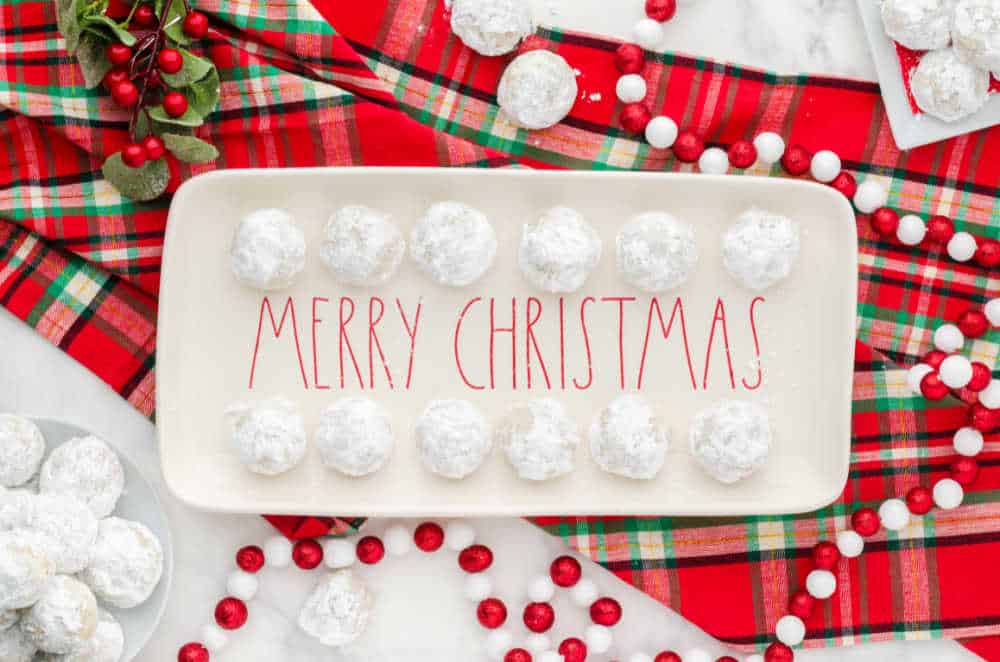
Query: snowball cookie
269	436
453	438
976	32
539	439
948	88
354	436
22	448
87	468
491	27
126	563
537	90
24	569
105	645
731	440
8	619
656	252
268	250
337	610
760	249
361	246
15	646
453	243
559	251
628	439
918	24
17	509
69	528
64	617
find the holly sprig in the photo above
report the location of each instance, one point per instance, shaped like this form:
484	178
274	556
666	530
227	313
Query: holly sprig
138	51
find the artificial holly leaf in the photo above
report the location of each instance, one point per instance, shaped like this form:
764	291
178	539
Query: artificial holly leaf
203	95
189	118
190	149
159	128
93	62
174	22
119	32
147	182
195	68
68	22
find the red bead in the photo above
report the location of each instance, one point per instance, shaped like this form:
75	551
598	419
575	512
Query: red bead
192	652
170	60
934	358
175	104
370	550
492	613
154	147
133	155
919	500
573	650
230	613
428	537
688	146
634	117
825	555
250	558
981	377
845	184
307	554
940	229
144	16
475	558
118	54
801	604
661	10
565	571
973	323
726	658
606	611
865	522
965	471
667	656
981	418
125	94
796	160
539	616
932	387
517	655
778	652
884	221
742	154
114	77
988	253
630	59
196	24
532	43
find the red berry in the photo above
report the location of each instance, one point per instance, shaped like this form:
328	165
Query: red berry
192	652
965	471
778	652
801	604
231	613
370	550
155	149
661	10
532	43
125	94
606	611
919	500
195	25
118	9
517	655
539	616
113	77
565	571
688	146
667	656
825	555
307	554
475	558
981	418
492	613
940	229
973	323
573	650
845	184
934	358
118	54
250	558
796	160
428	537
133	155
630	59
885	221
865	522
981	377
144	16
932	387
742	154
988	253
634	117
175	104
170	60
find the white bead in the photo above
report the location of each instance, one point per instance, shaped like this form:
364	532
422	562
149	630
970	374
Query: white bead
911	230
661	132
550	656
498	643
640	657
961	246
955	371
948	494
631	88
538	643
821	584
870	196
894	514
478	586
713	161
968	441
339	553
790	630
242	585
850	543
989	397
915	375
948	338
992	311
598	639
458	535
278	552
648	34
584	593
541	589
214	638
825	166
696	655
770	147
398	540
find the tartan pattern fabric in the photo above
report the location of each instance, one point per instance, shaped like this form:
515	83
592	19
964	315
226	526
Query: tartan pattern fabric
389	84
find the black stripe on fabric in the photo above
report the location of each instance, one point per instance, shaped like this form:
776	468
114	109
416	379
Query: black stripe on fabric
923	468
876	628
133	382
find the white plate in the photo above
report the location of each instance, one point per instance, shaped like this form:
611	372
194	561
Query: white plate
140	503
908	128
208	328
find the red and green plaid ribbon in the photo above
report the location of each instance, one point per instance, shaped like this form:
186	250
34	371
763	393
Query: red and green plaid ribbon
389	84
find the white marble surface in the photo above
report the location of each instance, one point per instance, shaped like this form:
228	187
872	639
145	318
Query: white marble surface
420	613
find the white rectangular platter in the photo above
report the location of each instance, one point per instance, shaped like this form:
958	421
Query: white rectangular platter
209	327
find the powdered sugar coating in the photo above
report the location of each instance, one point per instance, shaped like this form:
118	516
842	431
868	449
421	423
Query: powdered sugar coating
24	569
22	448
268	250
8	619
64	617
559	251
126	564
537	90
656	252
918	24
69	528
354	436
17	509
760	249
337	610
361	246
628	439
269	436
491	27
539	439
453	243
105	645
947	87
15	646
87	468
976	32
731	440
453	438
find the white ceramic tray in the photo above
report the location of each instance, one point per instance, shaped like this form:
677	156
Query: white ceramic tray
208	328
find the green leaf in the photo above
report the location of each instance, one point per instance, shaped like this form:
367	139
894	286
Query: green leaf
195	68
203	95
175	23
68	22
189	118
93	62
190	149
118	31
145	183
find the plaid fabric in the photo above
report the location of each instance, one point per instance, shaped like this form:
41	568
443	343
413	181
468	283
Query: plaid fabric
393	86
